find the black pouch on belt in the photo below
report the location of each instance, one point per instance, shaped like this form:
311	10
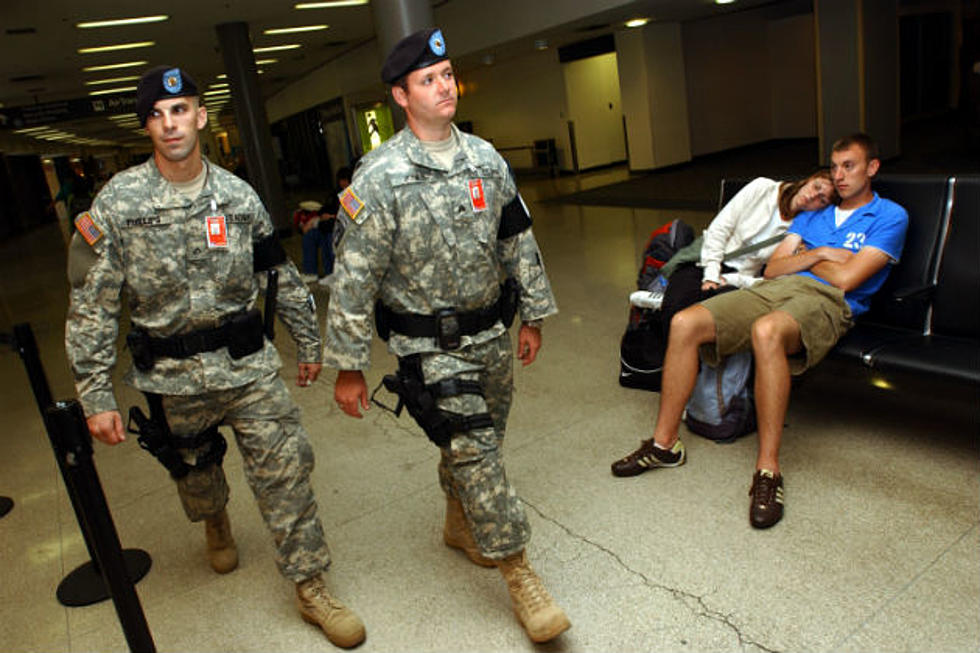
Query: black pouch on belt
245	333
139	346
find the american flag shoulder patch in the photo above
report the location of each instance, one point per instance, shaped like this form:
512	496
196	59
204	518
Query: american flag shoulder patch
87	228
351	203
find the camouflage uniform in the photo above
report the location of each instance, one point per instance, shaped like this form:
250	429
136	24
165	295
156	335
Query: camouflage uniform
410	234
150	240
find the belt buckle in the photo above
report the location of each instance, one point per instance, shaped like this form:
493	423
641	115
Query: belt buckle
192	343
448	329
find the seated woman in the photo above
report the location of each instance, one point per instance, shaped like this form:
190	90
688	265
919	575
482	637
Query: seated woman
761	210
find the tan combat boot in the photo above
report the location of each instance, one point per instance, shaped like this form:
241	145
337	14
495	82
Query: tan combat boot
341	625
222	553
537	611
456	534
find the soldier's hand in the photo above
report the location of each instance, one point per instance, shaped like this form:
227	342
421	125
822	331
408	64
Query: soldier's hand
107	427
308	373
528	344
351	390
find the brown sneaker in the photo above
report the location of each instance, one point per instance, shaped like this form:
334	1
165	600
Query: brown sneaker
456	534
339	623
222	552
766	508
648	457
535	609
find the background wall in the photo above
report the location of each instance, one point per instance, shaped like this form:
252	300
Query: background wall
516	102
595	108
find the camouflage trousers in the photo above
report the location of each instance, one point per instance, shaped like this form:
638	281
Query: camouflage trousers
277	458
471	468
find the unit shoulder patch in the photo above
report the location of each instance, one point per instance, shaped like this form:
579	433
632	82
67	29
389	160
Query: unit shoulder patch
87	228
351	202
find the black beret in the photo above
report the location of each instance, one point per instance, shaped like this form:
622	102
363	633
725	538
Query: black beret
415	51
159	83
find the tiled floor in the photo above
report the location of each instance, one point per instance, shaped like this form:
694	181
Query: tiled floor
878	550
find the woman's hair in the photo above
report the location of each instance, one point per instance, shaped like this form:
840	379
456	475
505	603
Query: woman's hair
790	188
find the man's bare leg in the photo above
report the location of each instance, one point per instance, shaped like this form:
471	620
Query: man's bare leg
774	338
689	329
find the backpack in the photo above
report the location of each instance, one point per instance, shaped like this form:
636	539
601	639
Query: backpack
722	407
642	347
663	243
641	350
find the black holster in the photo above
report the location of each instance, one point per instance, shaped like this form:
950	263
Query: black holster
420	400
155	437
510	298
246	333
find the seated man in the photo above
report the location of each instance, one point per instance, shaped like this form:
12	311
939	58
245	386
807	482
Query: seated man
821	275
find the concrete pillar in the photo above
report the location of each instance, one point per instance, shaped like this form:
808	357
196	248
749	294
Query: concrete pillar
393	21
253	125
858	72
396	19
654	95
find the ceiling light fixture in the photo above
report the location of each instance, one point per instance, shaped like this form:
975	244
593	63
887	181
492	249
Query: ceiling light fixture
111	80
637	22
294	30
110	91
327	5
122	21
265	62
118	46
113	66
724	2
276	48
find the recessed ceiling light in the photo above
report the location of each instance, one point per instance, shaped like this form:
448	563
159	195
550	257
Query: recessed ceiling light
724	2
218	91
113	66
637	22
111	80
293	30
276	48
122	21
109	91
327	5
118	46
265	62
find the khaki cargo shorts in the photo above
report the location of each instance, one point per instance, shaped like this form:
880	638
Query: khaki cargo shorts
819	308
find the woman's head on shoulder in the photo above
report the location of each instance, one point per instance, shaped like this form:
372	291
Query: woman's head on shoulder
810	194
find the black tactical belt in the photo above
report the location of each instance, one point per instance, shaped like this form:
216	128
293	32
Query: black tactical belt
417	325
201	340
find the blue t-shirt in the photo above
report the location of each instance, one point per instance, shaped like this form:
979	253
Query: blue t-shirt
880	224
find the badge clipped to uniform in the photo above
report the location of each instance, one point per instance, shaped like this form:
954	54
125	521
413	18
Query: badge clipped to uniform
217	231
477	198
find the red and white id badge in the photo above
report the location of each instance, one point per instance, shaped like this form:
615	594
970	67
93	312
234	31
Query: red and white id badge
477	198
217	231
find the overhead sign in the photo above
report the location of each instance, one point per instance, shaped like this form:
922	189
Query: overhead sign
46	113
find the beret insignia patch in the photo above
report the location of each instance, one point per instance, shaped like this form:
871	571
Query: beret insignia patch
172	82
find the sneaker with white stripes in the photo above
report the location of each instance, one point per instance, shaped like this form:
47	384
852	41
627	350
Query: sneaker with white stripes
766	508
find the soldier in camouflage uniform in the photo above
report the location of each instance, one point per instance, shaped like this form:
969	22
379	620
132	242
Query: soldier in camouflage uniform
184	237
432	219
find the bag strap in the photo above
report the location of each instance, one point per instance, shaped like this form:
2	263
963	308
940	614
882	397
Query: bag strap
748	249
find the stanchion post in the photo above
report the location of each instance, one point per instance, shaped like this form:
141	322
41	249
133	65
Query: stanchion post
73	445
